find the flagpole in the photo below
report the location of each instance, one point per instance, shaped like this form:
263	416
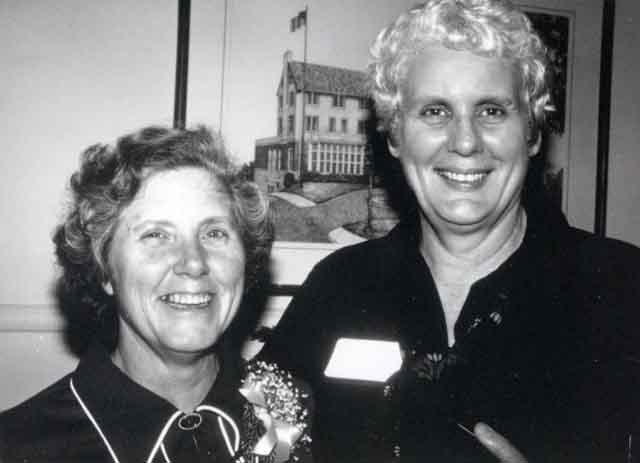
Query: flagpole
182	65
304	96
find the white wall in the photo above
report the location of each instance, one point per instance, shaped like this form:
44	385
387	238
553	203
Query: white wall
68	81
33	354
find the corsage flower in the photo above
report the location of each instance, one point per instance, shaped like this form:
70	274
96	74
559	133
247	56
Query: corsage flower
275	417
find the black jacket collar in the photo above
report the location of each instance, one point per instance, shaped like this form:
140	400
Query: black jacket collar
131	416
532	272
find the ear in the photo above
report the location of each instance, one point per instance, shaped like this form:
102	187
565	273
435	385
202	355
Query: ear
393	148
108	288
534	145
392	134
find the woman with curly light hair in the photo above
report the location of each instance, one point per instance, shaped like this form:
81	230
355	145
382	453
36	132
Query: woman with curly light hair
110	177
509	323
164	237
486	28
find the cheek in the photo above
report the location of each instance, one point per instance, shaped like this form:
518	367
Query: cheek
517	156
228	268
421	145
510	141
138	282
135	272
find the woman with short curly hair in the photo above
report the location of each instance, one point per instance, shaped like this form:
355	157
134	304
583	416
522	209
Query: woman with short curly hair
109	178
486	28
165	236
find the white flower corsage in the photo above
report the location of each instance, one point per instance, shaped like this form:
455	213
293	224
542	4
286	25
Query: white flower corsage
277	417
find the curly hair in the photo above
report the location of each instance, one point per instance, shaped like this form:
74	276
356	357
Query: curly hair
492	28
109	178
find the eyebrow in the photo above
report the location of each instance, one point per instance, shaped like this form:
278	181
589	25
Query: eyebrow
147	223
225	219
503	100
422	101
426	99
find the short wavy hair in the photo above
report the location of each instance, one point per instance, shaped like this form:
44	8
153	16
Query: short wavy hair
493	28
109	178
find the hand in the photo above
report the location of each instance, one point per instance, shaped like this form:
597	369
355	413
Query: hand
497	444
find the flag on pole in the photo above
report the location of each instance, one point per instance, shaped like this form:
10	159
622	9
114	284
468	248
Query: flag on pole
299	20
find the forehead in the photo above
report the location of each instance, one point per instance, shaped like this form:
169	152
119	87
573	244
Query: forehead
438	71
187	193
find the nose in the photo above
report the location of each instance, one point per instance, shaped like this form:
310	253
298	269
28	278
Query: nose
464	138
192	261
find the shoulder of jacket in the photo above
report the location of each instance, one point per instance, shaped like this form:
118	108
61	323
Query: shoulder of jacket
366	261
30	414
605	251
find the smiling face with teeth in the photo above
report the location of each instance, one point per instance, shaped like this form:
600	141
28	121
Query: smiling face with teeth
462	139
176	265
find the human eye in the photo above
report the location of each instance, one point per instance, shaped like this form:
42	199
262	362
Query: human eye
434	114
216	235
492	113
155	237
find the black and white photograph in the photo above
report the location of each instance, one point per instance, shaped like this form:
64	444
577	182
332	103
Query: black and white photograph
320	231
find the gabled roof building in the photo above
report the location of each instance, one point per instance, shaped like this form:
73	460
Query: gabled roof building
325	117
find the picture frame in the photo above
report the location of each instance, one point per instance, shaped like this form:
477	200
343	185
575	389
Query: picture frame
556	31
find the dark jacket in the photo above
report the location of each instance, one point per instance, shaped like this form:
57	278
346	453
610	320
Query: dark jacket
547	350
53	427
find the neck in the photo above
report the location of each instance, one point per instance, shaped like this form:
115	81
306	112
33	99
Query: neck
467	257
183	381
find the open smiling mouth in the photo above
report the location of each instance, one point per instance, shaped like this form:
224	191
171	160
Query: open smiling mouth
463	179
187	301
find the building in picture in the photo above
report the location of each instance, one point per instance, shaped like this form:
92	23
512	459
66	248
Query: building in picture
331	108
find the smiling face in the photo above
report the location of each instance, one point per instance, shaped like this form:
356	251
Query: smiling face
462	139
176	264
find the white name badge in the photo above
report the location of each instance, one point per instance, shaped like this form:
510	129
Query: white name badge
364	359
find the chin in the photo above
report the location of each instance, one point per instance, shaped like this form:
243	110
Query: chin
466	218
190	344
466	227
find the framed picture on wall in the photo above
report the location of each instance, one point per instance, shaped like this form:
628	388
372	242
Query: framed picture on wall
555	29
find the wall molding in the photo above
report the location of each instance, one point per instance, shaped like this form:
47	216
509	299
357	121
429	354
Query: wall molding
30	318
47	317
292	261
